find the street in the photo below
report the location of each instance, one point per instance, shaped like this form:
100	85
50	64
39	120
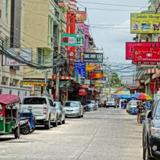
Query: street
106	134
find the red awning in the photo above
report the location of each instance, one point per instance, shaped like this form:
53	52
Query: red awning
82	92
8	99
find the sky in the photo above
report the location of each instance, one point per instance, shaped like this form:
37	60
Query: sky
110	25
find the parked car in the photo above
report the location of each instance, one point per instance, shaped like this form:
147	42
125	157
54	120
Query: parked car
151	133
60	112
90	105
111	103
43	109
74	109
132	107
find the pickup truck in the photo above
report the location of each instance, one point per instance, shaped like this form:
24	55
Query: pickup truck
43	109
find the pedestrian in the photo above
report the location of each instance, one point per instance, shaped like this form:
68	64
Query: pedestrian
140	109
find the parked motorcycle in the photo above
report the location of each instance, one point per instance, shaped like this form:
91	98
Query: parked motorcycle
27	123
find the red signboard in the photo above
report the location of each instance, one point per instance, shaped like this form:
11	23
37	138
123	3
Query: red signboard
143	52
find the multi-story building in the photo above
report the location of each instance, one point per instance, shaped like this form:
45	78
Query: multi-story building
42	24
10	36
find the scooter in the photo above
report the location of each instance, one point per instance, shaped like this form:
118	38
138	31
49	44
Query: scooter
24	126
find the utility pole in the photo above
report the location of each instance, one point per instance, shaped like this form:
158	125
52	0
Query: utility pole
58	69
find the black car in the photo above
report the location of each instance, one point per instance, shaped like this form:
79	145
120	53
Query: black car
151	133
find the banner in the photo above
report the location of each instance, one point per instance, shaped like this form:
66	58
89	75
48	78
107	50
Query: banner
72	40
132	47
145	23
93	57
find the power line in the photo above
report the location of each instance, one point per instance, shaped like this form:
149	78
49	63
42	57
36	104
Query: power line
109	10
111	4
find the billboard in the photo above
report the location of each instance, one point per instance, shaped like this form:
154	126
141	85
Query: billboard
145	23
72	40
132	47
91	57
81	16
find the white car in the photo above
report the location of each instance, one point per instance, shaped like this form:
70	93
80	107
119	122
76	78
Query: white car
73	109
111	103
43	109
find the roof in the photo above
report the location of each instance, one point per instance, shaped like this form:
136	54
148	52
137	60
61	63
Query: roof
8	99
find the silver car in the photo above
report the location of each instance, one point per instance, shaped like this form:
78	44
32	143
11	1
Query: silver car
60	112
74	109
43	109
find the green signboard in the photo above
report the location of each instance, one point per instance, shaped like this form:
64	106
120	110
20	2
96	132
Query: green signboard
72	40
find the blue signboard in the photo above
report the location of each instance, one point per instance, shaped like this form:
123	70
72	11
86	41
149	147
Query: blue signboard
80	68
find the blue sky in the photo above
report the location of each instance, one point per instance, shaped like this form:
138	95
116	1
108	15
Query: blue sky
112	38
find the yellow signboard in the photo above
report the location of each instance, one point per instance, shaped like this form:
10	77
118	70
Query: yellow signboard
92	67
145	23
34	83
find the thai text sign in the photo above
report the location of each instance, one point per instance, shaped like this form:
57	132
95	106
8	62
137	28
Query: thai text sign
93	57
133	47
145	23
72	40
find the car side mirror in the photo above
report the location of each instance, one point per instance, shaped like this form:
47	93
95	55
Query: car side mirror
149	115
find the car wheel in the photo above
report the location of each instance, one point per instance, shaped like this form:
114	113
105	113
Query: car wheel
55	124
63	122
48	124
60	121
146	155
17	133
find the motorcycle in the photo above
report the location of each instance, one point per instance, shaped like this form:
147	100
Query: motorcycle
27	122
24	126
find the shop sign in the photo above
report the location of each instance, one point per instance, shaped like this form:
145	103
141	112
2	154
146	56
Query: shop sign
145	23
72	40
80	69
27	83
147	55
93	57
98	74
132	47
81	16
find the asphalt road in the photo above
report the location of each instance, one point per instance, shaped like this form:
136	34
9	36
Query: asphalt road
106	134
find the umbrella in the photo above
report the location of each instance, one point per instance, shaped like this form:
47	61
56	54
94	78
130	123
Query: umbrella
141	96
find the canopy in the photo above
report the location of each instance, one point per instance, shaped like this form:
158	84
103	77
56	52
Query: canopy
8	99
128	97
141	96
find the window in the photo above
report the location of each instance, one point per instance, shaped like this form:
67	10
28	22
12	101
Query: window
40	56
34	100
51	103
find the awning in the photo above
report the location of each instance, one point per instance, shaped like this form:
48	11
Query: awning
82	92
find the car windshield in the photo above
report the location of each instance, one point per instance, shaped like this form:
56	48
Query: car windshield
157	112
134	103
34	100
57	104
71	104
